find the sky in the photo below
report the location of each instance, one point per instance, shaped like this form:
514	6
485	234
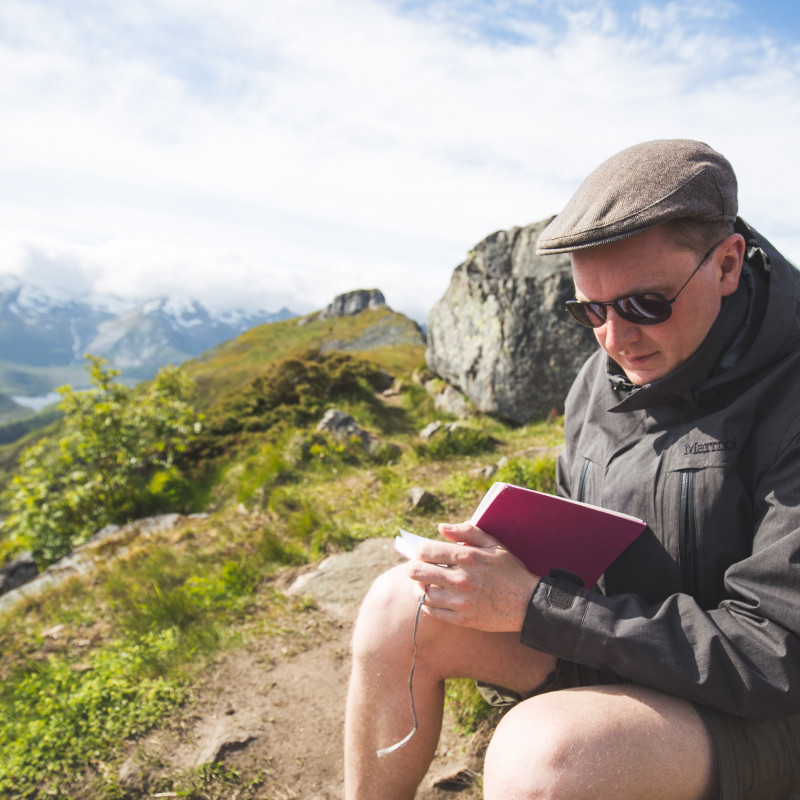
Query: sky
271	153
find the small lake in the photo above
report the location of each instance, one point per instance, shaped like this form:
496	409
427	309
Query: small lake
37	403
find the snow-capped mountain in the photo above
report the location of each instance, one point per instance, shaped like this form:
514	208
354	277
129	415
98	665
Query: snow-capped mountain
44	329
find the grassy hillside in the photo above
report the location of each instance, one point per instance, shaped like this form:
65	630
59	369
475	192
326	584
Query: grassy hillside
115	653
112	653
9	409
387	339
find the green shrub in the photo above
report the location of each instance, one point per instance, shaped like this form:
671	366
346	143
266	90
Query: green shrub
295	391
117	457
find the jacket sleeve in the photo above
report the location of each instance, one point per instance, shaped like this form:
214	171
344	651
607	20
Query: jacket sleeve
742	658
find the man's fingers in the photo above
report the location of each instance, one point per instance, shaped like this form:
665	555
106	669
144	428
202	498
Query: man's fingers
435	552
466	533
425	572
440	602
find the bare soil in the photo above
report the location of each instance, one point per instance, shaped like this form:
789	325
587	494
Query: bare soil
273	711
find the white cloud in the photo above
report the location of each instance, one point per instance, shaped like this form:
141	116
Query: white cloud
278	153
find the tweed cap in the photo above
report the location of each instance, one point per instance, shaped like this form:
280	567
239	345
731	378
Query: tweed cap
639	188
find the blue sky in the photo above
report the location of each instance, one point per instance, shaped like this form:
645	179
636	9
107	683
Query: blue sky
266	153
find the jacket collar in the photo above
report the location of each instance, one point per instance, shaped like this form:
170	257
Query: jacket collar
725	348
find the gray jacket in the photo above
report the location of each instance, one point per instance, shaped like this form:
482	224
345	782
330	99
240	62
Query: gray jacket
705	605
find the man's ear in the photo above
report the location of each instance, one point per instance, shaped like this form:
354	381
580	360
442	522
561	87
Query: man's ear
730	264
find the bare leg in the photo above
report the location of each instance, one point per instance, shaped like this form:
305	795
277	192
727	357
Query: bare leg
601	743
378	709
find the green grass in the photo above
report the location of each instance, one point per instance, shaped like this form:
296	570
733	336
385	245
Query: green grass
168	609
56	717
534	473
211	782
234	363
460	440
282	497
467	705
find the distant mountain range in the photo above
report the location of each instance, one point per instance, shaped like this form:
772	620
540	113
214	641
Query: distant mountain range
45	334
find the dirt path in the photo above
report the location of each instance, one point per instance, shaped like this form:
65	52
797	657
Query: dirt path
274	710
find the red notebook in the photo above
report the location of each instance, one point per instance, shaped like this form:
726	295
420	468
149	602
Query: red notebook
546	532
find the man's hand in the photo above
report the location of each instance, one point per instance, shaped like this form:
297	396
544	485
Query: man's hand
474	582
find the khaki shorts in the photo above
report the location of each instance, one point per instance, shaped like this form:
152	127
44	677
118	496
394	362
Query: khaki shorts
758	760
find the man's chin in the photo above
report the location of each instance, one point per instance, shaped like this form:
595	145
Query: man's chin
640	377
647	371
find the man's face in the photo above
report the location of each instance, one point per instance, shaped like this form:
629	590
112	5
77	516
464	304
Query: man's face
649	262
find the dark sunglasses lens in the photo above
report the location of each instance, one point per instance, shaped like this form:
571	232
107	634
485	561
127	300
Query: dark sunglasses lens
641	309
644	309
590	315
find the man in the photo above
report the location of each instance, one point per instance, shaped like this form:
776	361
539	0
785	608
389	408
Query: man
678	676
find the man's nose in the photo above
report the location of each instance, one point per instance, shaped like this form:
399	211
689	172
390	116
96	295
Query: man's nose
618	331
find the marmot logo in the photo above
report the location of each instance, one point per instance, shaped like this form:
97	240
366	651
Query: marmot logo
709	447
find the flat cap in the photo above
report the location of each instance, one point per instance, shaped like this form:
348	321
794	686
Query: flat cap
641	187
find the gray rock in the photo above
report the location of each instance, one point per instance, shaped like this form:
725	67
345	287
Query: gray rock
112	541
484	473
500	333
338	584
451	401
343	426
430	430
221	739
421	499
17	572
345	305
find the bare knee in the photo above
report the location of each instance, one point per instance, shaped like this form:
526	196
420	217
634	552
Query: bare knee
601	742
386	633
384	621
534	753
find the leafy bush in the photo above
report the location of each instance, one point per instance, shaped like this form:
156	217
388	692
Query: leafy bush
117	457
295	391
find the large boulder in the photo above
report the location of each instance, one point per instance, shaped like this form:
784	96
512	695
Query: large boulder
350	303
501	335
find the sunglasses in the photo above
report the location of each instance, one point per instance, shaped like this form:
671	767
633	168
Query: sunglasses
648	308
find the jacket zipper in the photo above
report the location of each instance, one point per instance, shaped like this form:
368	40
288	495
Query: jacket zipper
582	484
688	533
